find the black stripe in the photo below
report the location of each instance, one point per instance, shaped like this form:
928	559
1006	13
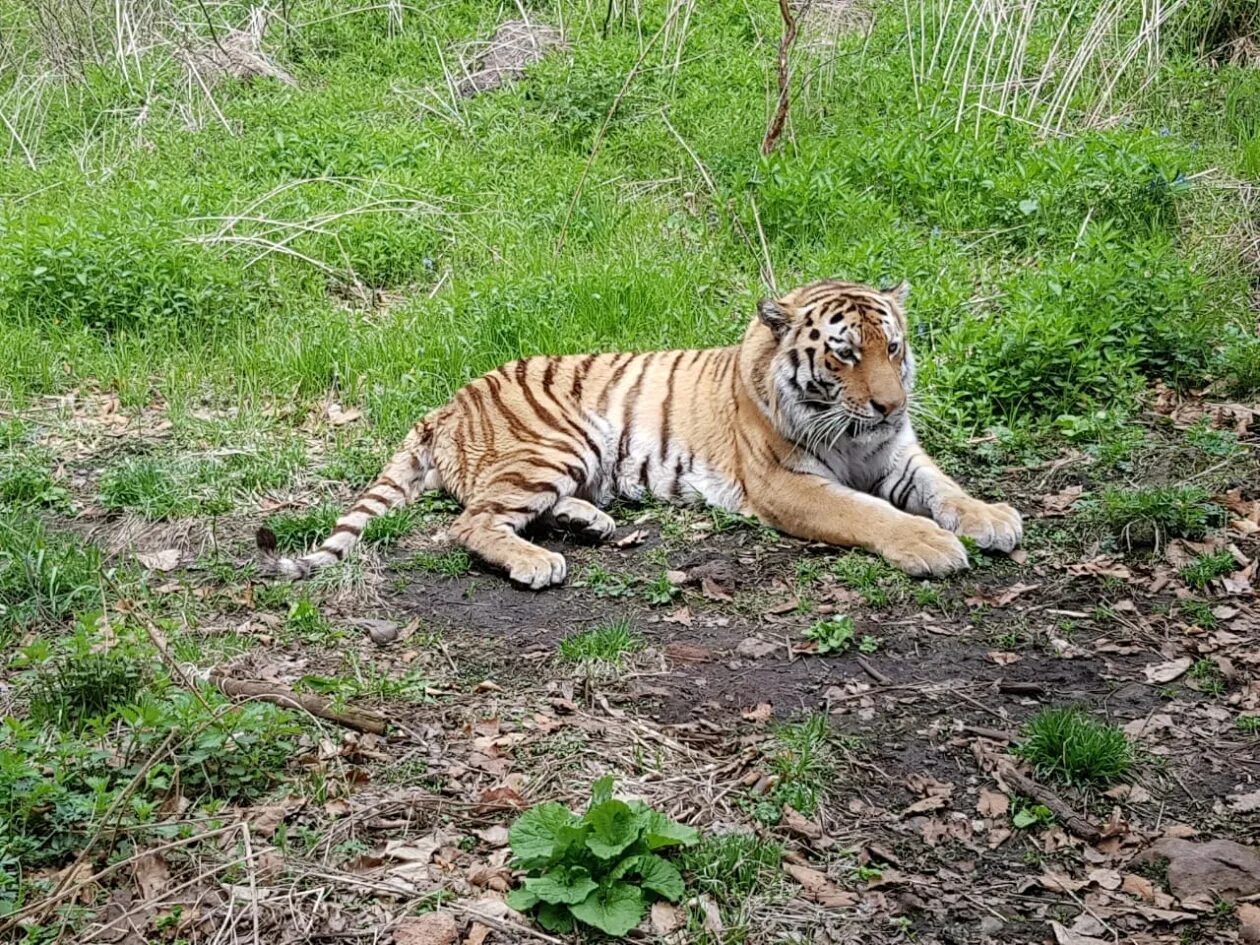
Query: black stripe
667	408
579	375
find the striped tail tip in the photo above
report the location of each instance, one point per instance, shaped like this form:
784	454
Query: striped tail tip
273	564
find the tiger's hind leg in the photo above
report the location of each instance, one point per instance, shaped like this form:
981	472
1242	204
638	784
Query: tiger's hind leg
583	517
512	496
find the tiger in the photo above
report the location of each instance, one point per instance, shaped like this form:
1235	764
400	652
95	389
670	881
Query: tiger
805	426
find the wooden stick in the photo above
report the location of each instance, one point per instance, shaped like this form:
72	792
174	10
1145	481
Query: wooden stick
873	672
785	79
357	719
1057	805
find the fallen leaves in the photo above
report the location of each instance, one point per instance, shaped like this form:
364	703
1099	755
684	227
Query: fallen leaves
1000	597
818	888
1059	504
432	928
1160	673
993	804
163	561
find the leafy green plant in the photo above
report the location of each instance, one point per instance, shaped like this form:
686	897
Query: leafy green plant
1199	613
833	635
609	643
661	591
1221	444
1025	815
1248	724
600	869
604	583
1070	746
307	622
1205	568
1151	515
84	686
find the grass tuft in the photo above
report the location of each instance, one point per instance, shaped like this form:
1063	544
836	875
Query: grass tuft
1151	515
609	643
1069	746
1205	568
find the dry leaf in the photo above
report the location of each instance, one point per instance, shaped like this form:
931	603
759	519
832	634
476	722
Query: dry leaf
636	537
152	876
667	918
1056	505
798	824
1060	882
819	888
496	836
1065	936
432	928
1139	886
167	560
1167	672
755	648
476	934
339	417
1248	922
759	713
1003	657
1245	803
1000	598
687	653
680	616
993	803
712	921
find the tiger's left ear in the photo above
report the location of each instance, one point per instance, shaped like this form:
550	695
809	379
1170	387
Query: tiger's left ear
773	316
899	293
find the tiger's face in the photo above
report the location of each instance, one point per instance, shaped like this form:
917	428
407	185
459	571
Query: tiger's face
842	362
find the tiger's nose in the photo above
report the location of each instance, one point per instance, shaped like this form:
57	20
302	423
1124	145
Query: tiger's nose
885	407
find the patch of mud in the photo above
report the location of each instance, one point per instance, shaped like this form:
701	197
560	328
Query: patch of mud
516	45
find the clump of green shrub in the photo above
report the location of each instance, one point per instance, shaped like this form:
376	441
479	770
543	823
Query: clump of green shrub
600	869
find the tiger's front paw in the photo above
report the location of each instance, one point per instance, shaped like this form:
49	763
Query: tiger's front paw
925	550
537	568
996	526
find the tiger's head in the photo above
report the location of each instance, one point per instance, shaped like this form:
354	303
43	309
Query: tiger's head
841	363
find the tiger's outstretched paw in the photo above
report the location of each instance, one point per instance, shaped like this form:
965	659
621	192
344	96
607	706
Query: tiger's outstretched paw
997	526
925	550
537	568
582	516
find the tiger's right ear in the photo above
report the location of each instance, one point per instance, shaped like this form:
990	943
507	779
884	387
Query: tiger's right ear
773	316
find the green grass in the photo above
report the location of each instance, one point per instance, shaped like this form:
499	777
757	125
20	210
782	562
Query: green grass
451	563
1205	568
610	643
44	575
1199	613
1248	724
1152	515
804	763
1208	677
1068	745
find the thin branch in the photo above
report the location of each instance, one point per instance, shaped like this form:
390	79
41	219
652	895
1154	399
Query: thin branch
775	128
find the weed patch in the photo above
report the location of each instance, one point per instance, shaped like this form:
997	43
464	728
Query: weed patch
1068	745
1150	516
611	644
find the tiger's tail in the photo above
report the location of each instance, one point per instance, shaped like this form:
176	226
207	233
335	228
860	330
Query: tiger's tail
408	473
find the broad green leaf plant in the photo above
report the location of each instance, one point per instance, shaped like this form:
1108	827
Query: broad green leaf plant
602	869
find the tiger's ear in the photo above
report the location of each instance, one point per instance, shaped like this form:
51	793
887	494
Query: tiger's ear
773	316
899	293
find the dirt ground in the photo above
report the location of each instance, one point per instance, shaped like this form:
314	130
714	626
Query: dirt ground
915	838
